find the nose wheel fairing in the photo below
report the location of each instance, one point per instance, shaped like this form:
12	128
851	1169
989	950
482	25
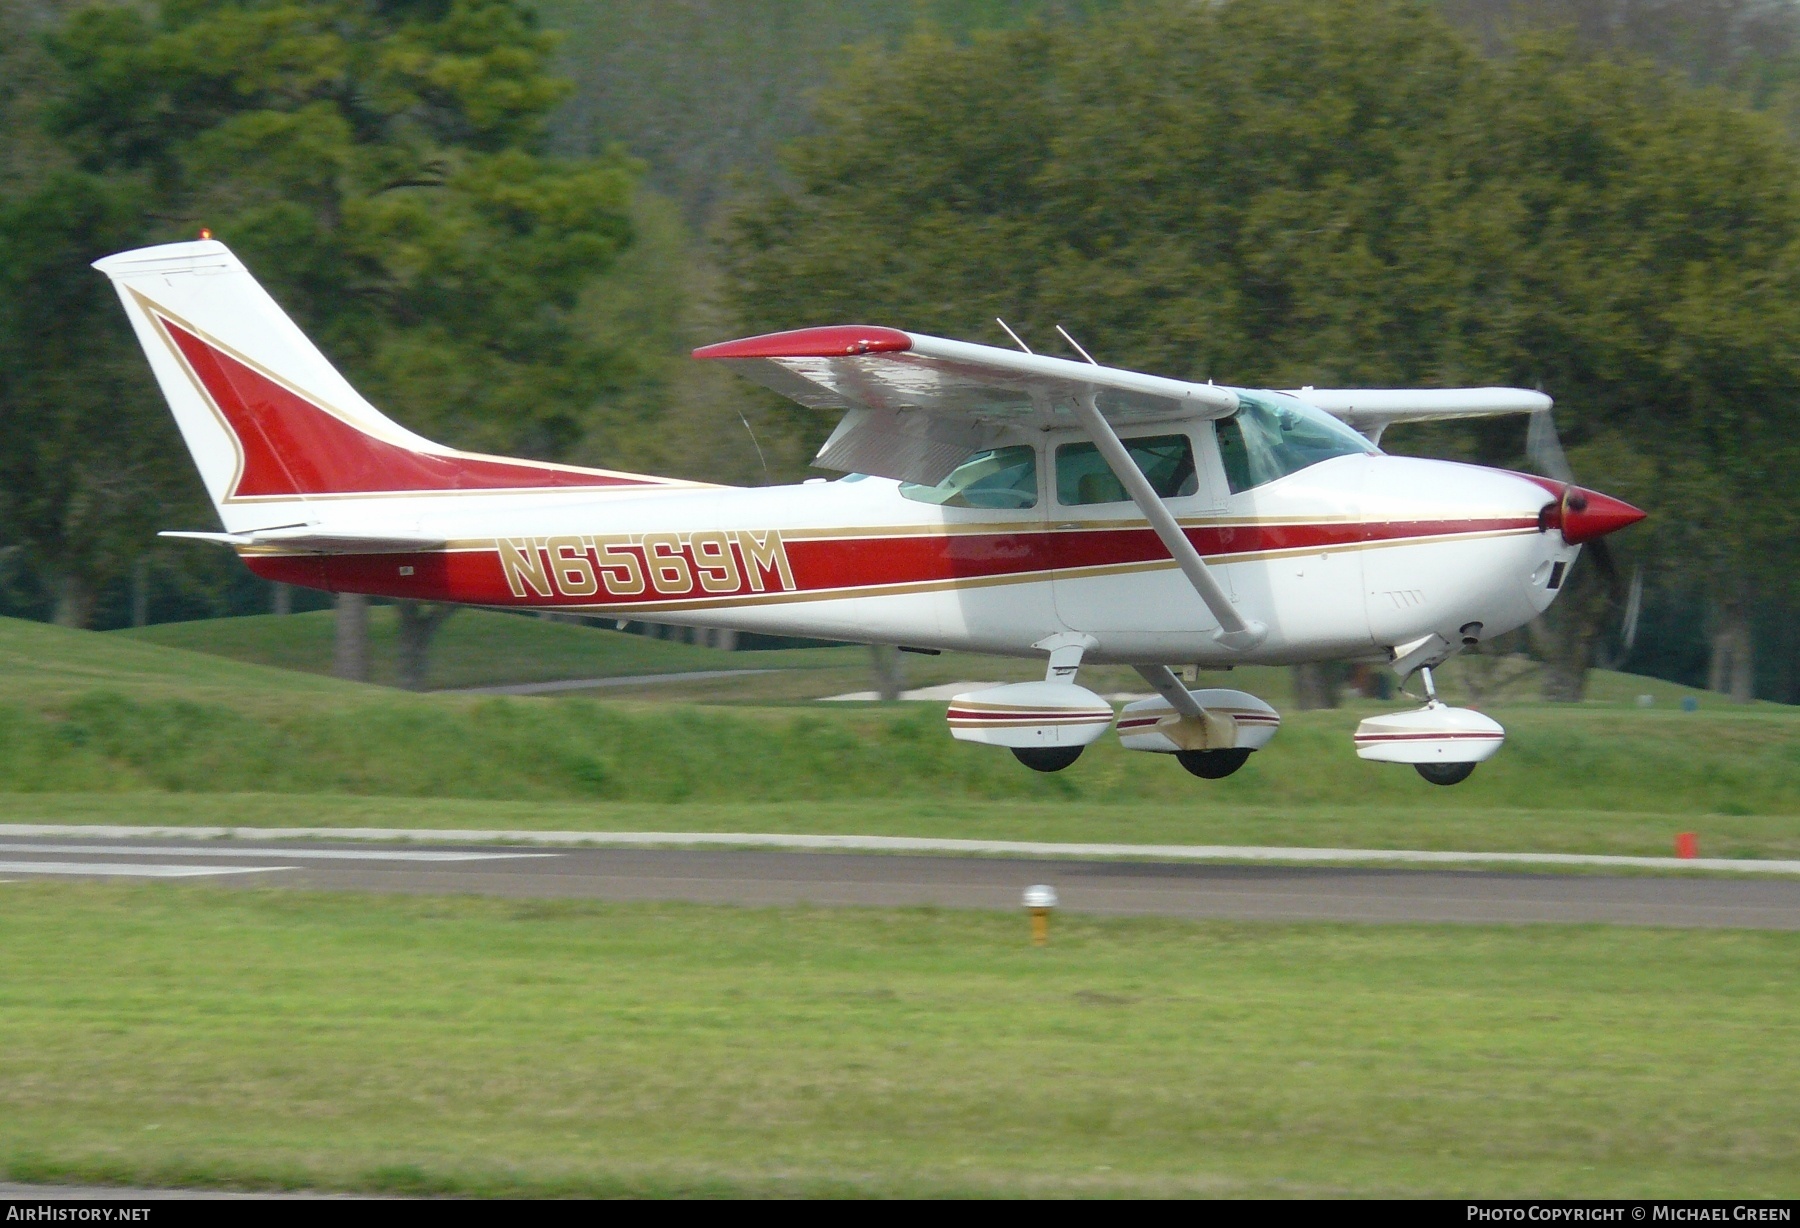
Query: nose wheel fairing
1435	733
1443	743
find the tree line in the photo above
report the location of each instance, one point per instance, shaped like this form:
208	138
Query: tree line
1259	191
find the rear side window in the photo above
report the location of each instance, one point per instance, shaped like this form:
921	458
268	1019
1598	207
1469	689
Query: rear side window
1083	478
992	478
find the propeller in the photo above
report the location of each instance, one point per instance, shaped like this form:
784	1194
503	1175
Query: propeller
1543	448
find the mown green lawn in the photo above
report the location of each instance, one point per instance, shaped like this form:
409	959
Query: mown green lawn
1736	764
42	666
156	734
475	1045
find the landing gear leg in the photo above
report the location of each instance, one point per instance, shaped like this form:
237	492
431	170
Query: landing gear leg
1047	758
1440	773
1215	764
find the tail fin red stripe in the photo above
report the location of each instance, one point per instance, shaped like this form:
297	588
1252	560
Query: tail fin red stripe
293	447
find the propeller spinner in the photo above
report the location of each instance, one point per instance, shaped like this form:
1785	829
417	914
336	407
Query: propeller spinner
1584	516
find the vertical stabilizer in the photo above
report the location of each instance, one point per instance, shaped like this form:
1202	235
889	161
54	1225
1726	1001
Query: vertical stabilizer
267	417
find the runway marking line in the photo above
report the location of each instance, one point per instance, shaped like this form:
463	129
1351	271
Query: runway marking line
123	850
119	869
897	844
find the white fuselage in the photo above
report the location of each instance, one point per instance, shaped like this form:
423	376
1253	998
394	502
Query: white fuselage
1348	558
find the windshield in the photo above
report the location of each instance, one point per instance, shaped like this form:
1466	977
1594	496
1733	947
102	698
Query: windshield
1273	435
993	478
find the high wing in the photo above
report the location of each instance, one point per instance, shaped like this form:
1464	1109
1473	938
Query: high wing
919	404
1373	410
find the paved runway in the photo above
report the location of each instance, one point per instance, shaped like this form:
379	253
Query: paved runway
736	876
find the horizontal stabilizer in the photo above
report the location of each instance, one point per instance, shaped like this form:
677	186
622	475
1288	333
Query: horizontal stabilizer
318	539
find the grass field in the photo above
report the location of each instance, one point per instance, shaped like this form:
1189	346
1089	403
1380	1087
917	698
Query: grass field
468	1045
198	1035
483	648
119	730
475	648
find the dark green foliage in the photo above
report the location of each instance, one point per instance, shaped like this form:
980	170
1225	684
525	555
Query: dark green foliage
379	166
87	449
707	90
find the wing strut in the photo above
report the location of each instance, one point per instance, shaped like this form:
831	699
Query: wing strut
1169	687
1235	632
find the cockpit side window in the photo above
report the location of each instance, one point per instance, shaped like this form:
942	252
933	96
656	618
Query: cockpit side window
1083	476
1272	435
992	478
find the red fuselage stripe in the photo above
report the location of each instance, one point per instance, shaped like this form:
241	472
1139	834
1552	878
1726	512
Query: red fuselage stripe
824	566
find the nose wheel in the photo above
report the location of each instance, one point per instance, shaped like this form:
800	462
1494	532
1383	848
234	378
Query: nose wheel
1445	773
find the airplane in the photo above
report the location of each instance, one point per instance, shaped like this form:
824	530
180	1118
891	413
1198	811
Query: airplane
993	501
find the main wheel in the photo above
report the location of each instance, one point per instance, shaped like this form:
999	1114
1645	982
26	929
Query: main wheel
1212	764
1047	758
1445	773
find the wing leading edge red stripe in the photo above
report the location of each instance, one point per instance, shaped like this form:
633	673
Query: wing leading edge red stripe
827	341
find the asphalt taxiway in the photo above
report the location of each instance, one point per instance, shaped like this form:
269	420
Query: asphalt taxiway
776	877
